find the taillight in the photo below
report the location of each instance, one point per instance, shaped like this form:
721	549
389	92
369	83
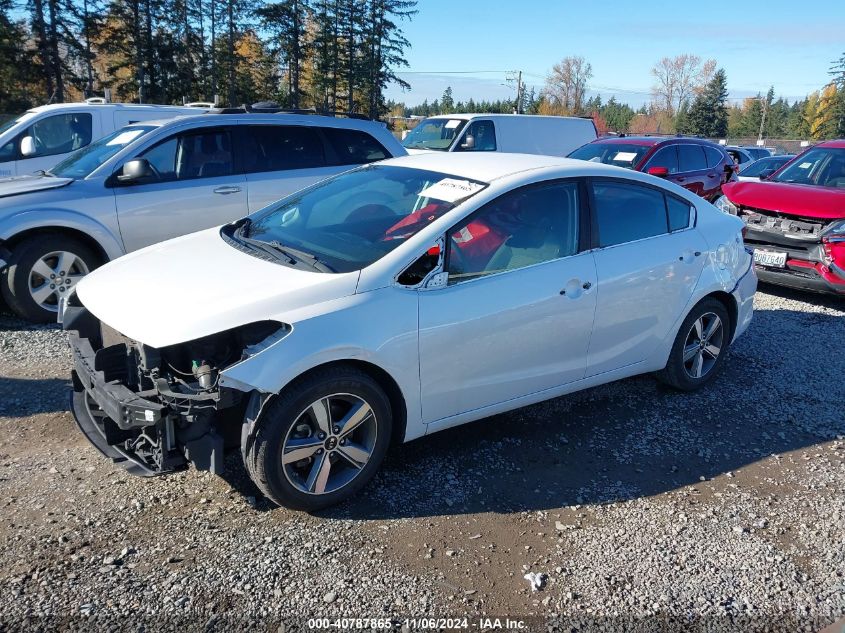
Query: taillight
744	231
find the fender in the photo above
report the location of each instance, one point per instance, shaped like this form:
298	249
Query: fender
48	218
725	269
328	338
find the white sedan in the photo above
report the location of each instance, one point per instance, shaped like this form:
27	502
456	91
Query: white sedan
393	301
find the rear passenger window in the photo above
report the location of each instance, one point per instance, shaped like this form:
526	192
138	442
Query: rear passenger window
354	147
627	212
283	147
692	157
679	213
714	156
666	157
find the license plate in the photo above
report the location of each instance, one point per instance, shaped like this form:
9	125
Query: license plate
769	258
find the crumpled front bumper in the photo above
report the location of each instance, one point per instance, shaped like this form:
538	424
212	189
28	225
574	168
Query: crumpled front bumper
107	412
146	432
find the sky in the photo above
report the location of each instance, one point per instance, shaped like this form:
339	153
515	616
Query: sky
759	43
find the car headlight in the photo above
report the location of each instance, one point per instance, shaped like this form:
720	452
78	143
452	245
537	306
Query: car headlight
725	206
835	232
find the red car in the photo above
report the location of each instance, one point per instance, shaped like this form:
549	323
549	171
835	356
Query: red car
693	163
795	220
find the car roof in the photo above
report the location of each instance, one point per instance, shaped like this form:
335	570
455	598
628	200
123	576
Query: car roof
277	118
489	166
648	141
466	116
53	107
837	144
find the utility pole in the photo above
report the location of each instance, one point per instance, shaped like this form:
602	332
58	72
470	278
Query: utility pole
763	120
520	89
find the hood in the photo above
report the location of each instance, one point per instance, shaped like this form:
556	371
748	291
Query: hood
802	200
197	285
27	184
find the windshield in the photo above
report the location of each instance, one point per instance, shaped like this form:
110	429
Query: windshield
26	116
822	167
435	134
8	124
354	219
83	161
618	154
753	170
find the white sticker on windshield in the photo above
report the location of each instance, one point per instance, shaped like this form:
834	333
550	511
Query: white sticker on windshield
125	137
452	123
451	190
805	165
625	156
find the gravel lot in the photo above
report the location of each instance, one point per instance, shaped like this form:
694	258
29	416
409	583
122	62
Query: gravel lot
644	509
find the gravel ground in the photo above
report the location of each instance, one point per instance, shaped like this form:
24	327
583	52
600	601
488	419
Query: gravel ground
639	508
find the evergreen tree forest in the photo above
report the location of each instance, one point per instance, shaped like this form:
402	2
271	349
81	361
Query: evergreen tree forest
324	54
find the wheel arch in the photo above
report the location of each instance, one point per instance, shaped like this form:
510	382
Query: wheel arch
391	388
68	231
727	300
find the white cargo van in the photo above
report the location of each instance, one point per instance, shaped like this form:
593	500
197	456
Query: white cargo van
514	133
42	137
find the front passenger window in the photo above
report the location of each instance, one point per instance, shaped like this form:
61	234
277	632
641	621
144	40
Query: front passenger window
60	134
483	134
522	228
191	156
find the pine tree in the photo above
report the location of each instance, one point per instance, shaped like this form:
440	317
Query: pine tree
286	21
708	115
384	47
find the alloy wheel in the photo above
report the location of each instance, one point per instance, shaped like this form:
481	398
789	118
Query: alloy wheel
703	345
329	444
53	276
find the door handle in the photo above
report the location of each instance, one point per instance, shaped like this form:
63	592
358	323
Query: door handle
227	189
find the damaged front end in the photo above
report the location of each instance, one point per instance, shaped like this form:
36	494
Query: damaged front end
154	411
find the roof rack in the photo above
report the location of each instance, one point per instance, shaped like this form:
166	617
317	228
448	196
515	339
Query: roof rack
271	108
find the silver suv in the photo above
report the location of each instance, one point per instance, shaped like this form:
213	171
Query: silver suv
152	181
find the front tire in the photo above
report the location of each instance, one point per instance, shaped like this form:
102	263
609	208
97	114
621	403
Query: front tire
322	440
700	347
41	270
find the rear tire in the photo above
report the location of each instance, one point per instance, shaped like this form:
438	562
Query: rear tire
27	286
700	347
310	450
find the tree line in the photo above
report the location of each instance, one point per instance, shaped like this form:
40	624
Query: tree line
689	96
324	54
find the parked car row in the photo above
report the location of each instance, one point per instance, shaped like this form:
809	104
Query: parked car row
795	219
299	288
395	300
155	180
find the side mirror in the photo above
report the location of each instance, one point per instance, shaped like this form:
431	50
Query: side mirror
660	172
469	142
27	146
135	170
764	175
